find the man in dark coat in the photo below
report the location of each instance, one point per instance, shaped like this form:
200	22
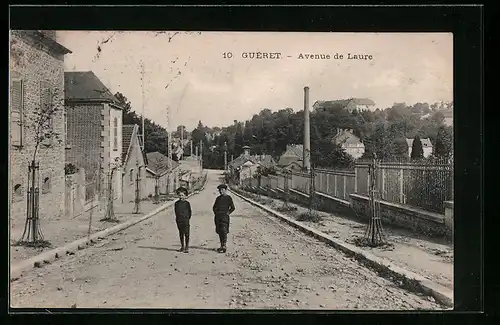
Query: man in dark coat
182	216
222	208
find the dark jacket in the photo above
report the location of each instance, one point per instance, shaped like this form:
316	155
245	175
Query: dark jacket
223	205
182	210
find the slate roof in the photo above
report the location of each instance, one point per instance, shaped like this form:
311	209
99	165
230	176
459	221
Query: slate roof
346	138
266	161
158	162
85	86
343	102
127	132
293	153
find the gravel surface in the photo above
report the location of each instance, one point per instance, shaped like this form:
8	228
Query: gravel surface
268	265
430	257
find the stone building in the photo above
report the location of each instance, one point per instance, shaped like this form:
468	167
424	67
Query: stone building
36	84
349	142
246	165
165	170
134	161
293	157
94	132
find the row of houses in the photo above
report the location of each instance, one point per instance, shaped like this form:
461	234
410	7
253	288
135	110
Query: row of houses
246	165
88	129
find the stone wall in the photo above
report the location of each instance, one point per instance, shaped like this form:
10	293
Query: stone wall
33	63
75	194
418	220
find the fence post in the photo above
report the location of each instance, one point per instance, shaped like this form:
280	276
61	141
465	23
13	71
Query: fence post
401	187
383	183
335	182
368	182
327	183
355	179
345	185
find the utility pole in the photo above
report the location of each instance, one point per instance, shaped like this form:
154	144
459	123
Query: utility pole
191	147
169	140
142	115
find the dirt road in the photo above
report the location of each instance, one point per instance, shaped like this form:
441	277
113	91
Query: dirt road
267	265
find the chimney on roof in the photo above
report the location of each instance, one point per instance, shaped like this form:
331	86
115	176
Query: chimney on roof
307	139
246	151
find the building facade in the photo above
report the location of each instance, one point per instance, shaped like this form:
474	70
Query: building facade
94	132
36	85
133	165
164	171
351	143
246	166
294	154
350	104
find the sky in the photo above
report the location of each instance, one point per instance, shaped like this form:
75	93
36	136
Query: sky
186	74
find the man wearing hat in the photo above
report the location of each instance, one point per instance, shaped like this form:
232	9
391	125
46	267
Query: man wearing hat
222	208
182	216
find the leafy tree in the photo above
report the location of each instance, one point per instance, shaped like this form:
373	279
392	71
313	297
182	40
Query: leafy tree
400	148
417	151
156	135
443	146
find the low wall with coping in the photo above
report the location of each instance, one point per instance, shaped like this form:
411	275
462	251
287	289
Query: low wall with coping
418	220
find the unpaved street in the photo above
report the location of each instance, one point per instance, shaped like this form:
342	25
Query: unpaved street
267	265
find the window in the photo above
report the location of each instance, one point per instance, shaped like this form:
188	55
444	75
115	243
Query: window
47	110
17	194
17	112
115	134
46	185
131	175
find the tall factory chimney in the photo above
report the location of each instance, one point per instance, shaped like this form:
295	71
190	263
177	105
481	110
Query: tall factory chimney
307	132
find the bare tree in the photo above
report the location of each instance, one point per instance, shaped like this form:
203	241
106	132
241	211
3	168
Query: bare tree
40	124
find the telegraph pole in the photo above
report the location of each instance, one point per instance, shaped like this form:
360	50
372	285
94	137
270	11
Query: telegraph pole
142	115
169	140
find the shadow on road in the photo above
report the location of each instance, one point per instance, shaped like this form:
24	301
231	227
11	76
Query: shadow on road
177	249
160	248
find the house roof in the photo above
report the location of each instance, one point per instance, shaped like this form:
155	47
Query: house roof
127	136
45	37
426	143
362	101
265	160
293	153
158	162
343	102
345	137
85	86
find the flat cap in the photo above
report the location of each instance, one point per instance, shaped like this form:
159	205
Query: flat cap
222	186
182	189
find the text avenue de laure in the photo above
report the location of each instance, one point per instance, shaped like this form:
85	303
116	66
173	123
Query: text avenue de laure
300	56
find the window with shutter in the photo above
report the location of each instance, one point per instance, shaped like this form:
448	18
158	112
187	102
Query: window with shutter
17	111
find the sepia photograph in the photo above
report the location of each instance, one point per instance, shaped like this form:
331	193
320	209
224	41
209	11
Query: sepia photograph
231	170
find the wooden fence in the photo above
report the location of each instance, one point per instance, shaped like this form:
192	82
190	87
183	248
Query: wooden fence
424	185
